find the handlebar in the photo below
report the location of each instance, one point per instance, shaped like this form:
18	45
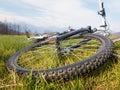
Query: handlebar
87	29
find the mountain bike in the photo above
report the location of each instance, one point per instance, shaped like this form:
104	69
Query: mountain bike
65	56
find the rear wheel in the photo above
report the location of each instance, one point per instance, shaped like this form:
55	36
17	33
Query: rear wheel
43	58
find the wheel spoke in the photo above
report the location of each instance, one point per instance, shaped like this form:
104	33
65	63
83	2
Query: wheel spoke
46	56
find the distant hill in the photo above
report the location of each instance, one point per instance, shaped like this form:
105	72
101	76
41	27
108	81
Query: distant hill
116	34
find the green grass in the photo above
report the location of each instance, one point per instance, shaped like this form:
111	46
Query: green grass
107	77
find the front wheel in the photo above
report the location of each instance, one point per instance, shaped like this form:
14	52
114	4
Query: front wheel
42	59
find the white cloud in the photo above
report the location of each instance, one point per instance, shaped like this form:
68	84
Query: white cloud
113	9
65	12
113	5
11	17
60	13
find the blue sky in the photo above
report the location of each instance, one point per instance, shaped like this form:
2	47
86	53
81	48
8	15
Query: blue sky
59	14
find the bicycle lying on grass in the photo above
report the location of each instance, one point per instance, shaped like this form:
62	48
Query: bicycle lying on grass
64	56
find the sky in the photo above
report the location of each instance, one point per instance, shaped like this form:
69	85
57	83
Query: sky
58	15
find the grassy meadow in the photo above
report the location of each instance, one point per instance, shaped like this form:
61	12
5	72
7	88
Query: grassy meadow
107	77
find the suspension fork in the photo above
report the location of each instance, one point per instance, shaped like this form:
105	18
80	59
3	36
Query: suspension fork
103	14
